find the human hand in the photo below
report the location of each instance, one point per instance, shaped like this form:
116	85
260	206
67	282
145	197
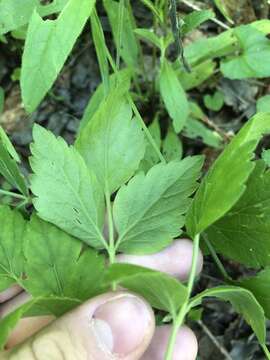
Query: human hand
115	325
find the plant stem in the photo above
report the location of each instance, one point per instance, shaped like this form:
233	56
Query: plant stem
217	260
195	255
219	346
111	248
145	128
15	195
185	307
266	351
120	31
197	8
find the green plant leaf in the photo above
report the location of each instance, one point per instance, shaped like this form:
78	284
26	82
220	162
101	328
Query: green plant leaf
153	8
214	197
40	306
121	77
223	44
150	157
149	36
172	148
174	96
259	285
162	291
14	14
149	211
243	234
8	145
263	104
129	50
214	102
112	143
223	7
251	63
195	129
195	19
8	166
243	302
57	265
101	49
198	75
266	156
47	46
66	193
11	249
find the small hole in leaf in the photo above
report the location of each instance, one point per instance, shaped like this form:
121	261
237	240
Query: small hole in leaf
79	221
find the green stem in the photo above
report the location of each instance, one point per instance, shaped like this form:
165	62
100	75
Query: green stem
111	248
147	132
185	307
266	351
120	31
195	255
15	195
217	260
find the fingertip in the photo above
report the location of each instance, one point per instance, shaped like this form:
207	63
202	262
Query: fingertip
113	324
175	260
9	293
185	348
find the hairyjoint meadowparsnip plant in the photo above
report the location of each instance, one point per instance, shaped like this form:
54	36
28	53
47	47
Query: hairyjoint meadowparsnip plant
135	179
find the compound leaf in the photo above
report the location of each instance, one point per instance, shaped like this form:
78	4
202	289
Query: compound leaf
66	193
149	211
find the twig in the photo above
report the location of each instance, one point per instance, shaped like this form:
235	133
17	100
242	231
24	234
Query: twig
196	7
220	347
216	128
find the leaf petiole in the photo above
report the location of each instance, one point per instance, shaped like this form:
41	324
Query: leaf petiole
217	260
145	128
178	321
12	194
111	248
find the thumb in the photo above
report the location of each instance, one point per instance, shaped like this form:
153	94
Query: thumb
110	326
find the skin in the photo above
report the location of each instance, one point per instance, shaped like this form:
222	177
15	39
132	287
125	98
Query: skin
115	325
